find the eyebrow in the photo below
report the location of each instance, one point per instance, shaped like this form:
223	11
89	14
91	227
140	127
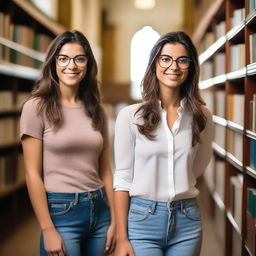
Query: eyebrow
70	57
166	55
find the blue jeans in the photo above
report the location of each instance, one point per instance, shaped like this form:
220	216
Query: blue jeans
164	229
82	220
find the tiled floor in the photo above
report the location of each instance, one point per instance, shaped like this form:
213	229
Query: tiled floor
24	242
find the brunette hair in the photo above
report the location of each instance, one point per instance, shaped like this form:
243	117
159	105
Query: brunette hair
150	109
47	90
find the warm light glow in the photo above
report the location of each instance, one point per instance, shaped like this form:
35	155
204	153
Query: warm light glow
144	4
141	45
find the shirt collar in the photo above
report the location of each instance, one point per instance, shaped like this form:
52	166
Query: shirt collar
180	109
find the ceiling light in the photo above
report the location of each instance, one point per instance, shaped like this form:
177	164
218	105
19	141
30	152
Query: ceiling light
144	4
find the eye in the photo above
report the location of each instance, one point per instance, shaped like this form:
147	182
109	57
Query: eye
165	59
81	59
183	60
62	58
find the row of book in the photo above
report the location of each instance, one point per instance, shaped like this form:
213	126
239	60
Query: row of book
235	107
218	103
235	144
24	35
215	100
230	107
9	130
252	5
220	29
252	114
214	176
252	48
253	153
236	186
215	67
237	17
7	100
8	174
237	56
251	220
220	135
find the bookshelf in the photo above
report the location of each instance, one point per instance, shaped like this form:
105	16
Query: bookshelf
25	34
227	49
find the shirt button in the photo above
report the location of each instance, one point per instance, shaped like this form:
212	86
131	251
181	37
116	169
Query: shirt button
149	210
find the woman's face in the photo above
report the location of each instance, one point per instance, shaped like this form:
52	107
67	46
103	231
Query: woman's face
172	65
71	71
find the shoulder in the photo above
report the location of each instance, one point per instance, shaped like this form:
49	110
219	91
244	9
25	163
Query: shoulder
127	116
129	111
30	104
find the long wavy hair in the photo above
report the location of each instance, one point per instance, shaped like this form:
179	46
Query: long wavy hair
47	89
150	109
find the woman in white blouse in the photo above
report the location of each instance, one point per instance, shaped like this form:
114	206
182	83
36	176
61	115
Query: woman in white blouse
162	146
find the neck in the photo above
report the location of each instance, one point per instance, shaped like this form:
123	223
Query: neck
170	99
70	97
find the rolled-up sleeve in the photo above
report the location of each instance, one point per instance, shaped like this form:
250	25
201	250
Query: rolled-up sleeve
124	145
204	151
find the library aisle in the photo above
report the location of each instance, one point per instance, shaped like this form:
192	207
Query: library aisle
24	242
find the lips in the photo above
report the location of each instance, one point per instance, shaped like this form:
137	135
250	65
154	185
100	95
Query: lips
71	74
172	76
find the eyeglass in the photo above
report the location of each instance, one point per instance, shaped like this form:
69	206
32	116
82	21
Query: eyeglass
64	60
165	61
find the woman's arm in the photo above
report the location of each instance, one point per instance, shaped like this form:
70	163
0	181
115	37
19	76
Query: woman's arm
123	246
32	151
107	177
204	151
124	160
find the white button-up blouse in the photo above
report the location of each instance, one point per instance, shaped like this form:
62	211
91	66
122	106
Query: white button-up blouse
166	168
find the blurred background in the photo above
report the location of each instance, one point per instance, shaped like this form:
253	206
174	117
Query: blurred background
121	33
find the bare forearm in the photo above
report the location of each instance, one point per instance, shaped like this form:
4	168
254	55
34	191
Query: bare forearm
108	182
121	200
38	199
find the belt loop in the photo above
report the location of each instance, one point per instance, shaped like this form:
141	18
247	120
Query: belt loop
182	208
76	198
101	193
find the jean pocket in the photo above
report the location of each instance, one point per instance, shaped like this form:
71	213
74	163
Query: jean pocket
59	208
138	213
192	213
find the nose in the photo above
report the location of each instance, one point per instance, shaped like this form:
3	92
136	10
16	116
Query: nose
174	65
71	64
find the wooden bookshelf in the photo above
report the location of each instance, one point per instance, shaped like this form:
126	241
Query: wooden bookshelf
25	34
228	82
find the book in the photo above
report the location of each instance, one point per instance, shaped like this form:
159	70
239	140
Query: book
253	153
236	183
251	220
220	178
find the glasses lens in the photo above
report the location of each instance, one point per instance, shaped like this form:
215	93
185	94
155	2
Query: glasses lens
165	61
183	62
62	60
80	60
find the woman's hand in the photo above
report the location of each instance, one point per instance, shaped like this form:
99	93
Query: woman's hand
124	248
111	241
53	243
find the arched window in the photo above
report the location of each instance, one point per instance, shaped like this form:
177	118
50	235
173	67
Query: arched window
141	45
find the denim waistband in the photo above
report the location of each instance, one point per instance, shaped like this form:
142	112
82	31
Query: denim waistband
99	193
177	204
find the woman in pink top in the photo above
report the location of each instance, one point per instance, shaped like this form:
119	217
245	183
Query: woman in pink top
65	145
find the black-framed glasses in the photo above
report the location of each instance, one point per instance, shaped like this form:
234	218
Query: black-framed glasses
63	60
165	61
